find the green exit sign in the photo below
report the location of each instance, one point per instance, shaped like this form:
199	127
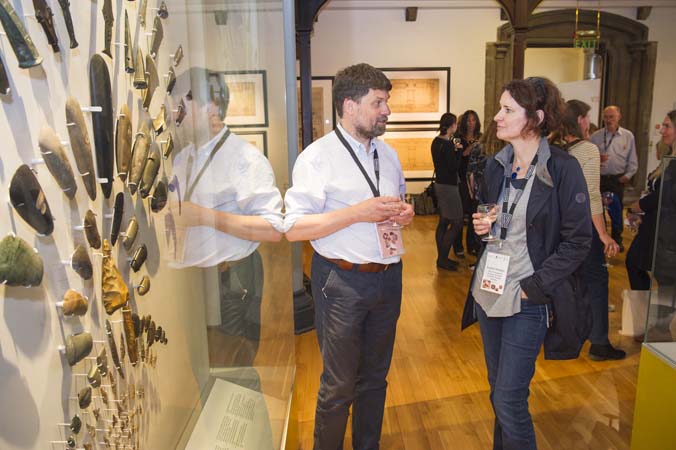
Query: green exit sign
586	43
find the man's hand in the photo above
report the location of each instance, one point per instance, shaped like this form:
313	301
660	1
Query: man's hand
192	215
604	157
624	179
377	209
405	216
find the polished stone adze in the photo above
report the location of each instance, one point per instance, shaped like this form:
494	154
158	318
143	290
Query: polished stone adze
81	146
29	200
56	160
20	264
101	96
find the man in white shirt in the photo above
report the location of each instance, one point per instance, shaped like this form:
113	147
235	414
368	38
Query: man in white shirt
618	163
346	197
229	203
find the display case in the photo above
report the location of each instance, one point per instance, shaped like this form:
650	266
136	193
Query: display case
655	396
146	297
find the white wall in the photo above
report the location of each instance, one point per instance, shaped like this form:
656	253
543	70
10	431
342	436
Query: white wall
455	37
561	65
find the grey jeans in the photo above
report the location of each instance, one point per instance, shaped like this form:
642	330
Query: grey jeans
356	318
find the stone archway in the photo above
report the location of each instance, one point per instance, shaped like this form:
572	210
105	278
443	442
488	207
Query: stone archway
629	60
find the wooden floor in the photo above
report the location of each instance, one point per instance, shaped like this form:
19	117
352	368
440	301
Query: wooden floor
438	393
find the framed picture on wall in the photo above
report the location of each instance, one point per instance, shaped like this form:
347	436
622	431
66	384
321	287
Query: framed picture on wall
419	95
323	112
248	104
413	145
257	138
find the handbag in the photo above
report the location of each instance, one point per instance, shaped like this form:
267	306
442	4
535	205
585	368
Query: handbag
426	202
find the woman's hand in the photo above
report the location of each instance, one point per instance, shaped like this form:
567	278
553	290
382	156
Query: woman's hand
610	247
481	226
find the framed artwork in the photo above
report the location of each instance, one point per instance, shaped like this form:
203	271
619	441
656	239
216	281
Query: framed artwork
323	112
248	105
419	95
413	145
257	138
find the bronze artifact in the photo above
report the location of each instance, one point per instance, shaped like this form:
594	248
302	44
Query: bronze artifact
87	445
123	347
70	442
142	12
75	424
163	338
108	19
137	324
57	162
96	411
113	349
45	17
118	211
158	333
4	80
128	49
180	113
140	78
29	200
104	396
142	349
84	397
150	170
139	257
100	92
21	42
79	142
92	230
139	157
20	265
163	11
171	80
167	144
129	335
152	82
115	291
65	8
146	319
81	263
94	377
74	303
160	121
156	40
178	56
159	197
130	234
78	346
91	430
123	142
102	362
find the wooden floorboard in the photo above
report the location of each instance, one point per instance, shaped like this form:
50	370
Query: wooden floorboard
438	392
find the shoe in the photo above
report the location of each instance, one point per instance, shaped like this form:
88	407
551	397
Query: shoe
605	352
460	254
621	248
447	265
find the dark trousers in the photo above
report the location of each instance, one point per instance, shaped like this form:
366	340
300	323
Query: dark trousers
595	276
468	207
511	346
611	183
639	279
356	317
446	234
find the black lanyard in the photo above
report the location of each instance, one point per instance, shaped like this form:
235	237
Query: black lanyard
376	165
506	217
605	135
191	187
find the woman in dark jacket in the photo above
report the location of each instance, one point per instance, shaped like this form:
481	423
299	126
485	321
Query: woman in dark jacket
468	134
524	290
445	159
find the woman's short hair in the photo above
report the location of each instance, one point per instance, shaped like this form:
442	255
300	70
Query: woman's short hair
569	123
354	82
538	94
447	121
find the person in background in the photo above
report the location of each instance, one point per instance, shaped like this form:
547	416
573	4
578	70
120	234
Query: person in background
574	130
639	261
345	199
487	146
468	133
618	164
446	162
529	272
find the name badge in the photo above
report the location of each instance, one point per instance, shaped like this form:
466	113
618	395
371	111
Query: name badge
390	240
495	273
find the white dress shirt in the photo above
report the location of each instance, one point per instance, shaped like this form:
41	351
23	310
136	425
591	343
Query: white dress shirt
238	180
621	150
326	178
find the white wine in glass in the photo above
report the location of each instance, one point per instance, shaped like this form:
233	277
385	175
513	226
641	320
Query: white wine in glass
489	214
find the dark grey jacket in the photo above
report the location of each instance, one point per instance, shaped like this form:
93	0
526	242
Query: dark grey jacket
559	237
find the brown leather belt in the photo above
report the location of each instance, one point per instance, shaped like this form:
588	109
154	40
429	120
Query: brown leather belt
366	267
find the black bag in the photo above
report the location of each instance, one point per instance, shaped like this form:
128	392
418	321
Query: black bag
426	202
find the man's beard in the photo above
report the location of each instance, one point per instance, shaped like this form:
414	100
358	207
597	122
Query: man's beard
378	129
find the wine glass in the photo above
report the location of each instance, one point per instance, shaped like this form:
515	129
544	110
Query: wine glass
489	214
402	199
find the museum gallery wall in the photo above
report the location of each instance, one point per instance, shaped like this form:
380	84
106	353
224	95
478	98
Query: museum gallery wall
101	342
